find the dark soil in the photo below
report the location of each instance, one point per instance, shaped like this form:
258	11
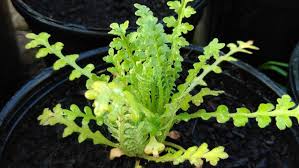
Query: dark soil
34	146
95	13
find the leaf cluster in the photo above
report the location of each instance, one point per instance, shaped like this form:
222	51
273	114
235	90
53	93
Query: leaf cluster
140	101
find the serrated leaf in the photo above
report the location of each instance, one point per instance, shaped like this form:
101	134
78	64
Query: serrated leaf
70	115
124	26
58	46
75	108
174	5
197	157
285	103
88	111
43	118
58	110
67	132
222	114
283	122
89	67
170	21
59	64
72	58
214	48
198	98
52	121
75	74
189	11
43	36
240	120
82	137
91	94
265	107
263	121
31	36
215	155
186	27
185	102
43	52
181	41
217	69
32	44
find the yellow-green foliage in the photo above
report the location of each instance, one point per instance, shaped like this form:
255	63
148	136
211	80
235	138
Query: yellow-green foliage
139	105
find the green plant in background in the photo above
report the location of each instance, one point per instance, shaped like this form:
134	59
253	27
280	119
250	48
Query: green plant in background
140	102
276	67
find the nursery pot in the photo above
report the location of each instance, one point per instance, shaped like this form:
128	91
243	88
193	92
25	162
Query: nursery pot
270	23
85	25
294	73
24	143
10	72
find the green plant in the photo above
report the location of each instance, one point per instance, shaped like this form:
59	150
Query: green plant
276	67
140	102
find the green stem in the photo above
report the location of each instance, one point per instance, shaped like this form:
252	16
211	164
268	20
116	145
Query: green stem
71	63
275	113
95	136
174	146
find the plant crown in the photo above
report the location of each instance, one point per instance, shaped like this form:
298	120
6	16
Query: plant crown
140	101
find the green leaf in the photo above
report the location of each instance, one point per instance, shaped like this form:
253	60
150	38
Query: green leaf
59	64
283	122
43	52
75	74
124	26
82	137
242	46
217	69
195	155
67	132
174	5
285	103
189	11
91	94
170	21
222	114
89	67
239	119
215	155
43	36
185	102
264	120
72	57
214	48
43	118
31	36
32	44
198	98
58	46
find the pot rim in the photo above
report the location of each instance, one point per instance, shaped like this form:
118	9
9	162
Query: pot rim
26	10
294	73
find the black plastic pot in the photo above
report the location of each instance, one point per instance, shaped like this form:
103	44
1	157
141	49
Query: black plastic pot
294	73
270	23
10	72
79	37
20	134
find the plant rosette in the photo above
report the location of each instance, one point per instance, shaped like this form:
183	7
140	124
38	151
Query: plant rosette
140	102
